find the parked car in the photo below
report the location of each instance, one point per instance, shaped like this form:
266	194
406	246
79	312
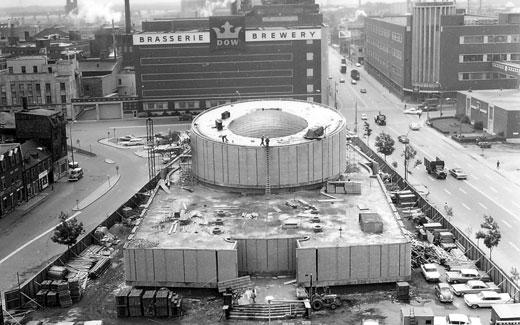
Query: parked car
486	299
473	286
127	137
75	174
363	90
353	81
464	275
133	142
364	117
443	292
484	144
358	64
413	111
341	81
430	272
415	126
73	164
403	139
458	173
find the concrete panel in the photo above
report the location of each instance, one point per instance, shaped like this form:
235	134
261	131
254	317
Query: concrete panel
242	255
149	264
261	170
317	160
225	164
251	256
227	265
128	256
210	163
343	150
219	164
190	266
284	249
275	166
285	166
292	255
261	259
302	154
206	266
385	260
406	259
344	263
327	264
159	259
393	260
306	264
242	165
233	166
375	261
292	162
359	262
174	265
251	167
140	265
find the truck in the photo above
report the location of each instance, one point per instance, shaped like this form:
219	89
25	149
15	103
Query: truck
380	119
435	167
343	68
354	74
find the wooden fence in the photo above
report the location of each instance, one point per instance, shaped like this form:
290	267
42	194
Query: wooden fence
473	252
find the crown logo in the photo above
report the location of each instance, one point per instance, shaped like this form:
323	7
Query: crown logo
227	33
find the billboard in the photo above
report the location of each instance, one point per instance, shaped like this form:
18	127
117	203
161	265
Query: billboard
227	32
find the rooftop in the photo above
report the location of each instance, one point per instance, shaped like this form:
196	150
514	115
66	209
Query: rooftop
506	99
282	121
506	311
258	216
398	20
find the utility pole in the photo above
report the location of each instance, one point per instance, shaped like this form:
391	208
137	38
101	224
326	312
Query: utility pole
355	118
71	148
336	95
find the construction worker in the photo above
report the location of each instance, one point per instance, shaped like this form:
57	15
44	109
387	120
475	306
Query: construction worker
267	142
262	138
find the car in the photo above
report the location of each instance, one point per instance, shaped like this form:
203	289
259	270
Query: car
358	64
403	139
127	137
443	292
75	174
415	126
363	90
458	173
464	275
133	142
364	117
353	81
430	272
486	299
484	144
473	286
341	81
73	164
413	111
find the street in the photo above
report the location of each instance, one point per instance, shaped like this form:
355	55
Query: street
64	196
487	191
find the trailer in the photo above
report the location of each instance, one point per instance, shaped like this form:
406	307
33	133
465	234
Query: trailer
435	167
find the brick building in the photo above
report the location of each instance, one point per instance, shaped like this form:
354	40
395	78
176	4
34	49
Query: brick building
11	181
37	166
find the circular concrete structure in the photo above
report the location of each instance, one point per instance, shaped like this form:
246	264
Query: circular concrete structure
233	155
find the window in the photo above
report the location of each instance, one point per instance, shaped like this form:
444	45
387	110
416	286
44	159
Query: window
473	39
119	82
515	38
310	88
48	99
38	88
63	99
497	39
35	69
472	58
29	88
310	42
310	56
398	37
62	86
497	57
23	69
310	99
10	69
30	99
49	69
310	72
515	56
47	87
192	104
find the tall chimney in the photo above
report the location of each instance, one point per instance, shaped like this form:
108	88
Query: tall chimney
128	20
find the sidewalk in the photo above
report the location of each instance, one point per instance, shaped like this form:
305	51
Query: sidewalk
97	193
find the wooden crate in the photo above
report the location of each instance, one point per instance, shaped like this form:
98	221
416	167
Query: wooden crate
135	307
149	303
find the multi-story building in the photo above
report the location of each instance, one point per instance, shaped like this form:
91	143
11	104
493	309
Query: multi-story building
274	51
426	40
37	166
11	184
477	52
47	128
45	83
388	51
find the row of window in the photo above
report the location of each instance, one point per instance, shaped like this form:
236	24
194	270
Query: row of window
468	58
398	37
182	105
489	39
36	100
23	69
486	75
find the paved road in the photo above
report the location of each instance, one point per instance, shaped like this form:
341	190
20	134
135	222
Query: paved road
487	190
14	232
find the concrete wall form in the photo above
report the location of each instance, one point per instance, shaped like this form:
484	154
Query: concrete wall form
266	256
198	268
354	264
312	162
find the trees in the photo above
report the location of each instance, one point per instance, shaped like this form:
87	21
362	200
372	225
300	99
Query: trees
385	144
368	132
408	154
490	233
68	231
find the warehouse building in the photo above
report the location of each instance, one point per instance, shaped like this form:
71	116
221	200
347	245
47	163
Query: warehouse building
277	51
497	109
201	237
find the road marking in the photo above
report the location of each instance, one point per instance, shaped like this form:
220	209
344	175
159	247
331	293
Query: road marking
482	205
516	204
467	207
507	224
474	177
514	246
448	192
460	189
493	189
34	239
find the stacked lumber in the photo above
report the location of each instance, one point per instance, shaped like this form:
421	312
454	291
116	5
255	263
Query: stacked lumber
75	288
148	302
162	302
101	265
62	287
134	303
57	272
423	253
51	299
122	302
236	284
175	305
41	297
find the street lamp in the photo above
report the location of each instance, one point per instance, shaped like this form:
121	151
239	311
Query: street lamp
336	95
71	147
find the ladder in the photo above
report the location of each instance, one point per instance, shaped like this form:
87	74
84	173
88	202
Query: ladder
412	317
267	177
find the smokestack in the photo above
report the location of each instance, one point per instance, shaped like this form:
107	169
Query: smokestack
128	20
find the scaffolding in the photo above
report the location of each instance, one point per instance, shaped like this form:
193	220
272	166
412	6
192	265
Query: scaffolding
150	148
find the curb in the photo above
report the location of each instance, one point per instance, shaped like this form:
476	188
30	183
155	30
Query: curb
91	199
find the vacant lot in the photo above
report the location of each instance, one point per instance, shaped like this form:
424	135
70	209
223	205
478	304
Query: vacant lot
451	125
